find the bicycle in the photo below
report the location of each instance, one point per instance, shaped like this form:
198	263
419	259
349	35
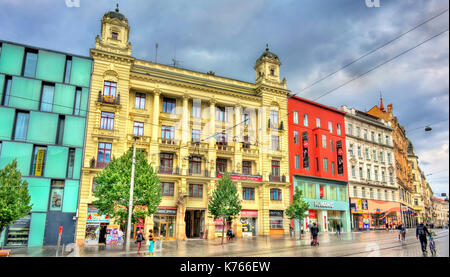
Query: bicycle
403	236
432	246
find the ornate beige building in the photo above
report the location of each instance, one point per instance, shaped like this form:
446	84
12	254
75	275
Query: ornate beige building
193	127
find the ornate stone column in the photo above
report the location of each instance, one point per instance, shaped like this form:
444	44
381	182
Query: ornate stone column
155	118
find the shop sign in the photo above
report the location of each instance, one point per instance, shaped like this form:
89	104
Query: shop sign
242	177
323	204
93	216
249	213
312	214
321	192
275	213
364	204
168	211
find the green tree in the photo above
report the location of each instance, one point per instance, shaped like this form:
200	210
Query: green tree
14	196
113	189
298	208
225	202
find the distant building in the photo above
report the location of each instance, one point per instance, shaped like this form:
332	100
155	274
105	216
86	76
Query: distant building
43	108
440	212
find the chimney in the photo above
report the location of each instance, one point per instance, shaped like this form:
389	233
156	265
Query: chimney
390	108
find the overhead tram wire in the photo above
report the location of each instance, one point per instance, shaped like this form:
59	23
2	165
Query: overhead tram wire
381	64
368	53
421	127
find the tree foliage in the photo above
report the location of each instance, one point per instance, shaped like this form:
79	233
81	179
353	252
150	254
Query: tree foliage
298	208
113	188
14	196
225	201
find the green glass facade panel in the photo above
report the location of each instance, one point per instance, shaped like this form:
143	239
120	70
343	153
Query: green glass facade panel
64	98
84	101
11	59
6	122
74	131
16	150
56	162
81	72
25	93
77	164
37	229
39	189
2	85
70	198
42	128
50	66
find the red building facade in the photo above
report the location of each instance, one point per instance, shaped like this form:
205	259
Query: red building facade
317	162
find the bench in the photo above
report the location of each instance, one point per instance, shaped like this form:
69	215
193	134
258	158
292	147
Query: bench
5	253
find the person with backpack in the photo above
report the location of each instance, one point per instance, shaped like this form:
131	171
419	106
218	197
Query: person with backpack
139	239
421	235
314	233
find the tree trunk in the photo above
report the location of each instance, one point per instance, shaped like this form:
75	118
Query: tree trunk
223	229
300	231
3	241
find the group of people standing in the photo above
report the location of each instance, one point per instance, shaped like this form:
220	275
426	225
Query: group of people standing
140	239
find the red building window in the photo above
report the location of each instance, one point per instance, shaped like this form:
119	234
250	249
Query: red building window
166	162
222	139
248	193
221	165
247	167
169	105
195	165
275	194
109	89
138	128
103	154
139	102
107	121
167	189
274	118
275	143
275	168
195	135
167	133
196	191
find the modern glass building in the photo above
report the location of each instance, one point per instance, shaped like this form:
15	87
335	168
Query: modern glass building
43	105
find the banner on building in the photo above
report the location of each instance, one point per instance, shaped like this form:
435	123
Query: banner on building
340	159
39	162
305	149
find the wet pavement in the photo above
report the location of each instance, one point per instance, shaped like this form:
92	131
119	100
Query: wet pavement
355	244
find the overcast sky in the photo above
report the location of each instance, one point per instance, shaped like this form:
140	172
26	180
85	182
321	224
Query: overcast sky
311	37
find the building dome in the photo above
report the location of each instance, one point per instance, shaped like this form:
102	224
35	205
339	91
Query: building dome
268	54
116	14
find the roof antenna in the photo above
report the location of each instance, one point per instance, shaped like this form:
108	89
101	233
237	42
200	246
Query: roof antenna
174	60
267	47
156	53
117	7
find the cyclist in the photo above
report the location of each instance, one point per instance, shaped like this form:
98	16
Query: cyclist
314	232
421	234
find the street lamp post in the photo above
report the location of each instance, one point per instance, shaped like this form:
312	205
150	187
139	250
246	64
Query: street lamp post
130	203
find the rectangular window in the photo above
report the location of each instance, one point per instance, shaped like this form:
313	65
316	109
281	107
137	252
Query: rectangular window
383	176
297	161
295	117
374	155
275	194
30	63
139	101
355	192
359	151
371	193
107	121
67	69
315	139
167	189
305	120
103	154
38	164
317	164
332	168
358	132
350	149
169	105
221	165
379	194
387	140
48	92
275	143
248	193
70	163
379	138
195	165
331	146
77	105
330	126
166	163
109	89
324	141
60	131
196	110
21	125
274	119
376	175
247	167
322	192
350	129
56	195
221	114
381	156
389	157
325	164
367	154
275	168
353	171
296	138
391	177
372	136
6	90
361	173
365	134
222	139
363	192
195	135
167	133
138	128
196	191
332	195
368	174
339	129
317	122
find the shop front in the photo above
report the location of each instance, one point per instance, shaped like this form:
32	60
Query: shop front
249	222
327	216
276	222
164	222
96	226
409	216
374	214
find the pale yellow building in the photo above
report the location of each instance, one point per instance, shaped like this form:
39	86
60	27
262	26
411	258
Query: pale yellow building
417	175
193	126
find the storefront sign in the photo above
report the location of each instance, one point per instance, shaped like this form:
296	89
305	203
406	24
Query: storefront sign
312	214
93	216
275	213
249	213
167	210
364	204
323	204
242	177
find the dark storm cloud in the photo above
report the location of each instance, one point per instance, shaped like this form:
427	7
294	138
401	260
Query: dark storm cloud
312	38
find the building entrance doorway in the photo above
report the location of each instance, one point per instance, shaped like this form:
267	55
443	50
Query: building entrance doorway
195	223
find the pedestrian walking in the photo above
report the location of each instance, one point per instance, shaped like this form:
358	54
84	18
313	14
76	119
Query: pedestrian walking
387	226
338	229
421	235
139	239
314	233
290	230
230	234
151	241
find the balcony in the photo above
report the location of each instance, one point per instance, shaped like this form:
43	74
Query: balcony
275	126
169	170
168	143
249	151
198	146
224	149
199	173
273	178
98	165
140	140
108	99
240	176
